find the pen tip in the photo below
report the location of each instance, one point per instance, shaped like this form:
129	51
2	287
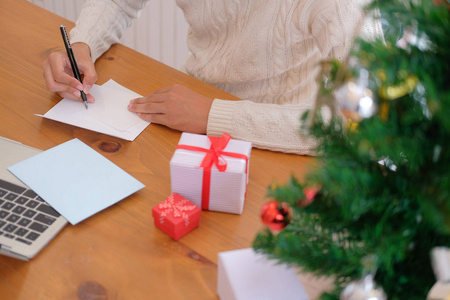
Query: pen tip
85	104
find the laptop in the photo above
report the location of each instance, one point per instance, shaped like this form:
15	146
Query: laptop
27	222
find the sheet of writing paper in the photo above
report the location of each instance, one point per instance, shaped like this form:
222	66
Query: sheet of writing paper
108	114
112	108
75	180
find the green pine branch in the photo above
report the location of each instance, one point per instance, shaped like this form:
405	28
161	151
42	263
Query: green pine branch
384	181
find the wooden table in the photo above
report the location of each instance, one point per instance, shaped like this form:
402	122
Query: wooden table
118	253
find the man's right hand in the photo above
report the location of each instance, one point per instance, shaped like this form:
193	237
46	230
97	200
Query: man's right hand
59	76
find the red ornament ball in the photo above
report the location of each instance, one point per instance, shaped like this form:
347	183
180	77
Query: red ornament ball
310	194
276	215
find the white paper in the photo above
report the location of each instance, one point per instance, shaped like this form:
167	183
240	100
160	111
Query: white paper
108	114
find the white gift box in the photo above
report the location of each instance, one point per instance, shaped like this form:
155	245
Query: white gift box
222	191
246	275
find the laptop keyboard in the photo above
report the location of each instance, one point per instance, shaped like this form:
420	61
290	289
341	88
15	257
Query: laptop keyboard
24	216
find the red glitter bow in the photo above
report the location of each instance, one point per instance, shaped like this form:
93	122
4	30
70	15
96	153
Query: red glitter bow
178	206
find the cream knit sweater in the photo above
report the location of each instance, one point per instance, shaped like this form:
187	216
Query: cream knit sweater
263	51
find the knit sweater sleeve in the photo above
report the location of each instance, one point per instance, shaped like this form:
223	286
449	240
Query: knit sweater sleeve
101	23
277	127
268	126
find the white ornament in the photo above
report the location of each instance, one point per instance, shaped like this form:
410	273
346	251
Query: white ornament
356	97
364	289
440	258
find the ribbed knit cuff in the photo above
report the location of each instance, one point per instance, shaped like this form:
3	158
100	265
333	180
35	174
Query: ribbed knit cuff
75	38
220	117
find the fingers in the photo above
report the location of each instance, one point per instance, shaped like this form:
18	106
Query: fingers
166	89
151	108
154	118
151	112
146	105
177	107
148	111
56	77
150	104
59	77
85	65
89	97
163	95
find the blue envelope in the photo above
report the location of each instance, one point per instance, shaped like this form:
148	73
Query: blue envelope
75	180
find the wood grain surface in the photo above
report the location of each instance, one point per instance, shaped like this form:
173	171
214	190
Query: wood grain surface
118	253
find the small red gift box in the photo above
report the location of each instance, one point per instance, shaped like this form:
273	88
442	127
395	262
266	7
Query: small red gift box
176	216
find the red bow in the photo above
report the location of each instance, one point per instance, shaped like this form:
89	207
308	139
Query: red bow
214	156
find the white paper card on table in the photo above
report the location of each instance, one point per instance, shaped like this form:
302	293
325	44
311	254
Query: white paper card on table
108	114
246	275
75	180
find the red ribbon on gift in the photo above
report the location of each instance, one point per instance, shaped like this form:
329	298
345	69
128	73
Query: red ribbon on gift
214	156
178	206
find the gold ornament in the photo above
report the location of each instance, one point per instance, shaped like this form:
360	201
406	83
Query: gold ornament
382	75
384	111
351	125
396	91
273	186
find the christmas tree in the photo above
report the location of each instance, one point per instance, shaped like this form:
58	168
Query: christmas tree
380	200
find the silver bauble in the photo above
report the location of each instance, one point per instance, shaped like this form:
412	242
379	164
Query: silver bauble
355	99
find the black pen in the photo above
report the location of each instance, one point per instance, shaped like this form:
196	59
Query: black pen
73	63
